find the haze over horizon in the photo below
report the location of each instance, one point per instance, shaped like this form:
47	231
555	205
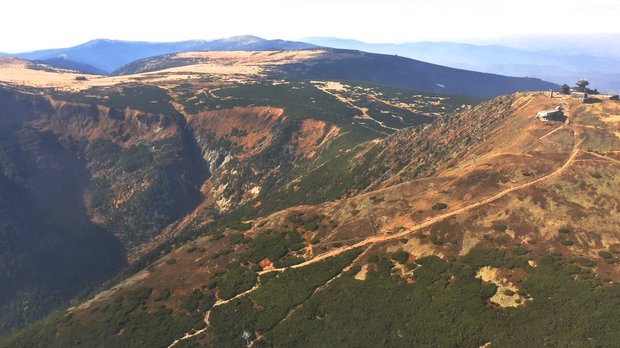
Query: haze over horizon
53	25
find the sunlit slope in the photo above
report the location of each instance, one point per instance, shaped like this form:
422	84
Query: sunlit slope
517	225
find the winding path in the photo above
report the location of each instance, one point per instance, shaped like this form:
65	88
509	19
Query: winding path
427	223
384	238
364	112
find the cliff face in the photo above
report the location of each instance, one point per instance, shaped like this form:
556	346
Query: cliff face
49	248
84	183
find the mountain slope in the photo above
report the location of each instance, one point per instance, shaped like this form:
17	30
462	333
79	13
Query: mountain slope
511	226
403	72
559	65
50	250
64	63
249	196
109	55
343	65
162	157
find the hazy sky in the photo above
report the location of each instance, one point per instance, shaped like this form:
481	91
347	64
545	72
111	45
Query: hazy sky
36	24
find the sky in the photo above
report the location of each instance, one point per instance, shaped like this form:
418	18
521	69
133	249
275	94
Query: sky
37	24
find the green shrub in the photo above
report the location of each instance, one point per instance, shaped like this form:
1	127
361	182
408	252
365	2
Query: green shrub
373	258
567	242
225	251
171	261
288	261
487	290
605	254
519	250
377	199
501	240
162	295
400	256
439	206
237	280
239	238
217	235
564	230
480	257
311	226
211	284
610	260
585	262
139	295
197	301
271	245
499	227
295	218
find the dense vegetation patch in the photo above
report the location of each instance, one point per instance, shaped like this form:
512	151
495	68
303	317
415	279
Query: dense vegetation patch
236	280
271	245
563	311
126	322
270	303
142	97
566	305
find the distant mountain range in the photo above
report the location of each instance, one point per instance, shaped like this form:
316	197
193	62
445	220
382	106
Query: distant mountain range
109	55
557	63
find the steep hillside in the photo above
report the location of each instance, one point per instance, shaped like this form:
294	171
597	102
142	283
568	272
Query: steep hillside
109	55
344	65
498	222
64	63
50	250
157	158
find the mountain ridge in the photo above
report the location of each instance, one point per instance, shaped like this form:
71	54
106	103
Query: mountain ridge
500	59
64	63
344	65
108	55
